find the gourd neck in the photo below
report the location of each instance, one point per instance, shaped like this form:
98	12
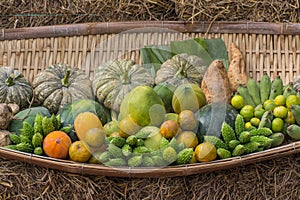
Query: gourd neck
10	80
65	81
125	78
181	73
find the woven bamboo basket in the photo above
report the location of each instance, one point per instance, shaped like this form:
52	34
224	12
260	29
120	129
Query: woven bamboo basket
267	47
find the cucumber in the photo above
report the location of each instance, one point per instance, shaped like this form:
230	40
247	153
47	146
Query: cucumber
254	90
276	88
243	91
264	87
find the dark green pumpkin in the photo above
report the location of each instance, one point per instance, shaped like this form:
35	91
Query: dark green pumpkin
165	91
27	115
211	117
14	88
70	111
59	85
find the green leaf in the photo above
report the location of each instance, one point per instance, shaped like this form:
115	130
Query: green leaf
192	47
217	50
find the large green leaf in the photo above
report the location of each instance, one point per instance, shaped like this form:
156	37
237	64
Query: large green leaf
217	50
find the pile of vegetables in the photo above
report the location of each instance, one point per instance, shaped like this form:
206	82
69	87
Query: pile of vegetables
186	103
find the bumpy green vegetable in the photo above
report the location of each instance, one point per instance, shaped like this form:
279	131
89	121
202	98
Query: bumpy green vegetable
37	140
233	143
164	142
217	142
115	162
169	154
227	132
238	150
223	153
104	157
239	124
261	131
24	147
37	126
127	150
14	138
135	161
251	147
184	156
25	139
47	126
131	140
38	151
141	150
27	130
118	141
11	146
158	160
114	151
262	140
244	137
148	161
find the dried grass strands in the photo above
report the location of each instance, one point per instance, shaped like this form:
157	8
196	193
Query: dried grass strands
25	13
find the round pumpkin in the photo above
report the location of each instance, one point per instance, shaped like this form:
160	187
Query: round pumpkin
114	79
56	144
14	88
180	69
188	97
61	84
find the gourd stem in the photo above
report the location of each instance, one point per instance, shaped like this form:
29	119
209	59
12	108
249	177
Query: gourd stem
180	73
65	80
10	80
125	79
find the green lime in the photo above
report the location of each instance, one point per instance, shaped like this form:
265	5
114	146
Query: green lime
248	125
237	101
280	100
280	111
292	100
259	112
255	121
270	106
247	112
277	124
266	102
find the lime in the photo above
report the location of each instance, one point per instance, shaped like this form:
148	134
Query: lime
280	111
290	118
259	112
248	125
270	106
255	121
247	112
277	124
266	102
292	100
280	100
237	101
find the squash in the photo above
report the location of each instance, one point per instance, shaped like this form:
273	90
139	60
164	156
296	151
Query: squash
27	115
211	117
114	79
14	88
70	111
59	85
56	144
180	69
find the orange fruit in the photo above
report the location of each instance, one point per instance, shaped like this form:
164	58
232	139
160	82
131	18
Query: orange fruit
205	152
79	152
189	139
169	129
187	120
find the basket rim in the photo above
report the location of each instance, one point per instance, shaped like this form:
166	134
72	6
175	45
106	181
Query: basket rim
142	172
93	28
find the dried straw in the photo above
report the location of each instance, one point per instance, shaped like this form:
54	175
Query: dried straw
274	179
25	13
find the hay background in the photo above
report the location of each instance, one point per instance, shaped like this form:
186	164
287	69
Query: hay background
274	179
27	13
